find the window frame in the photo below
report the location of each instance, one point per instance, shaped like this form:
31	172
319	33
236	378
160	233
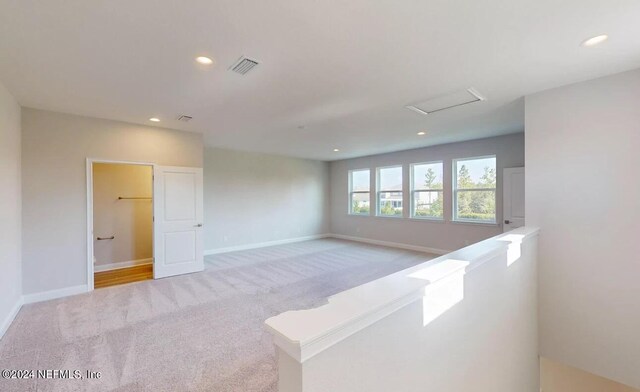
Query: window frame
455	190
413	191
352	192
379	190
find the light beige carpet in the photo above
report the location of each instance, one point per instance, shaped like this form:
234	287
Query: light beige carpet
197	332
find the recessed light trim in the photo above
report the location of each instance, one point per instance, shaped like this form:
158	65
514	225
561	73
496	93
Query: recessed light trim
421	133
593	41
336	150
154	119
204	60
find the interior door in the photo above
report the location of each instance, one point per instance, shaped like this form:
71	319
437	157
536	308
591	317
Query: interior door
178	213
513	198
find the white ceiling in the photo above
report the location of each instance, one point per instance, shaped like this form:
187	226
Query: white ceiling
343	69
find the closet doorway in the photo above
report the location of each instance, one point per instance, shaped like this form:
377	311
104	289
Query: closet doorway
122	222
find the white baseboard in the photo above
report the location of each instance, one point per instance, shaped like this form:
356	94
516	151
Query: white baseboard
392	244
319	236
6	323
265	244
53	294
121	264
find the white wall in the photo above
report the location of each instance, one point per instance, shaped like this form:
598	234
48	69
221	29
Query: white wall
583	190
54	151
252	198
130	221
439	235
469	325
10	207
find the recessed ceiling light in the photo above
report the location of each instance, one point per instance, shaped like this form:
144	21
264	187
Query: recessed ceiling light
421	133
593	41
154	119
204	60
335	150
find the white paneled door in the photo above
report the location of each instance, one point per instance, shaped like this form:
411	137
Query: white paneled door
178	214
513	198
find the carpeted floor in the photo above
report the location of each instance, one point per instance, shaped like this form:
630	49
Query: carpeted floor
197	332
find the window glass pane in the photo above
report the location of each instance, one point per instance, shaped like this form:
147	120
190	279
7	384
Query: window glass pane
390	191
476	173
428	204
471	203
391	203
427	176
360	180
476	205
390	178
360	203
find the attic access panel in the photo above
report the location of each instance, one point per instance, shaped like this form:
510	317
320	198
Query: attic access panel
445	102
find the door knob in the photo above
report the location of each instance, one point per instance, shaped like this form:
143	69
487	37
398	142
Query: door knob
198	225
506	222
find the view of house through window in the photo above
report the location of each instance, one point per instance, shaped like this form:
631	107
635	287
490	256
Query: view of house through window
390	191
427	190
359	195
474	189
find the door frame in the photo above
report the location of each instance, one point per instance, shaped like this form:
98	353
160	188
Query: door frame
506	192
89	168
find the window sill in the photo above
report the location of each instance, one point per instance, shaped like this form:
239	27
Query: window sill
430	220
390	216
360	215
472	223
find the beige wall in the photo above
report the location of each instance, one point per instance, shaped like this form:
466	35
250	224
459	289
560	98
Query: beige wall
253	198
54	151
556	377
10	207
582	190
128	220
439	235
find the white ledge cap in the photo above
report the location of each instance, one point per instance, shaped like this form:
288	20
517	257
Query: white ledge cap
305	333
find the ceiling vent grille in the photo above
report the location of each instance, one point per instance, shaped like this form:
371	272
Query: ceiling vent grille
448	101
184	118
243	65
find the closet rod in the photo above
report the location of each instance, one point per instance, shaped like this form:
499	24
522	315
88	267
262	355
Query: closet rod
134	198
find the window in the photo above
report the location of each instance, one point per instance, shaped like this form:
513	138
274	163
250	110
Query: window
426	190
474	189
390	191
359	196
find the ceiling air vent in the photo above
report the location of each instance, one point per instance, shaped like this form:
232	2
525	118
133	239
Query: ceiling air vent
243	65
445	102
184	118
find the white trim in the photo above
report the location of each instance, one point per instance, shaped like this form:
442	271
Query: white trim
265	244
54	294
304	333
90	262
390	244
122	264
6	323
474	223
301	351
